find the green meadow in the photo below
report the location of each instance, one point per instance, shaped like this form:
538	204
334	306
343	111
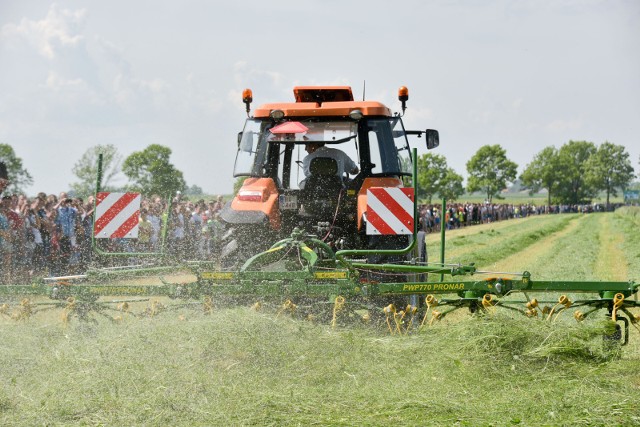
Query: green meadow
240	367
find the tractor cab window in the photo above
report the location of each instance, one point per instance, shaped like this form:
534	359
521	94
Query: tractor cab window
251	155
388	147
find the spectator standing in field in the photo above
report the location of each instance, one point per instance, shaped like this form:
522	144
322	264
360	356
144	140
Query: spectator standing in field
5	255
154	216
177	230
145	230
37	260
46	226
66	228
5	249
4	177
14	246
217	205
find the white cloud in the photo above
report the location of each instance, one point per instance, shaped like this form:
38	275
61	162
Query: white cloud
57	83
564	125
244	73
133	94
58	29
517	103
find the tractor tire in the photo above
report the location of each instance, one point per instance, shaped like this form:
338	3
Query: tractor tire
241	243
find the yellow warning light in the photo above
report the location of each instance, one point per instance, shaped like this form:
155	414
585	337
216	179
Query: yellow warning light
247	96
403	93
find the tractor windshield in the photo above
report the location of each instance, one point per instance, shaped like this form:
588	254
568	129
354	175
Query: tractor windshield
276	150
254	158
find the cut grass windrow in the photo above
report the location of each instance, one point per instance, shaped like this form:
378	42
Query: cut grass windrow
462	241
627	222
490	244
611	263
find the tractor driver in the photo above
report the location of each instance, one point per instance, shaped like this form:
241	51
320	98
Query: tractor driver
318	149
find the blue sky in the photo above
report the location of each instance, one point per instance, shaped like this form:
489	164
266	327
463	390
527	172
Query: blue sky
522	74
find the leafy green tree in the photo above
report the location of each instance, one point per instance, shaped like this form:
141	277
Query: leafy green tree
543	172
451	187
609	169
86	169
573	187
490	170
19	177
150	171
432	170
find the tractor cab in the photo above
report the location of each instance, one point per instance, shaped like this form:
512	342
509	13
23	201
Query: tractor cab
359	144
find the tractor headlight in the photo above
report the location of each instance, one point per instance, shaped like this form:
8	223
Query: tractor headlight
276	114
355	114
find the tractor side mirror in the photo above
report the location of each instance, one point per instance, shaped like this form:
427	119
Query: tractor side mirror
433	138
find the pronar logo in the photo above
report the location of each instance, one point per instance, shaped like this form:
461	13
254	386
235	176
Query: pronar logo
330	275
434	287
119	290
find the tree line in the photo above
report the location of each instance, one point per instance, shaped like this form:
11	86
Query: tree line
573	174
149	171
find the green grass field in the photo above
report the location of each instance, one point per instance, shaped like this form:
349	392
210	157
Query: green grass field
240	367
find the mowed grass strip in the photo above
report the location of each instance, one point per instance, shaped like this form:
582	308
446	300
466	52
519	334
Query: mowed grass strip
491	244
462	241
585	254
611	264
526	259
627	222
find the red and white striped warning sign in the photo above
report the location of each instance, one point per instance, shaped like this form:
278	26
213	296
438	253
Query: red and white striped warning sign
389	210
117	215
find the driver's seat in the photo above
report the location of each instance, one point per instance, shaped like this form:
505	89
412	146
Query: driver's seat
322	188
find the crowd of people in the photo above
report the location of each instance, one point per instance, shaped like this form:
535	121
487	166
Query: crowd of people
51	235
458	215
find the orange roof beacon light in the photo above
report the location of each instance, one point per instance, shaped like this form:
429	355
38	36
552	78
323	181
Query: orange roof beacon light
247	98
403	96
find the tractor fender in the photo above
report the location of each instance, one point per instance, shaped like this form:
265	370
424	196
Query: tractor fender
232	216
261	207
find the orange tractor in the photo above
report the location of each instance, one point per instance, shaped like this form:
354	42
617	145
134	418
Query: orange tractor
308	165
